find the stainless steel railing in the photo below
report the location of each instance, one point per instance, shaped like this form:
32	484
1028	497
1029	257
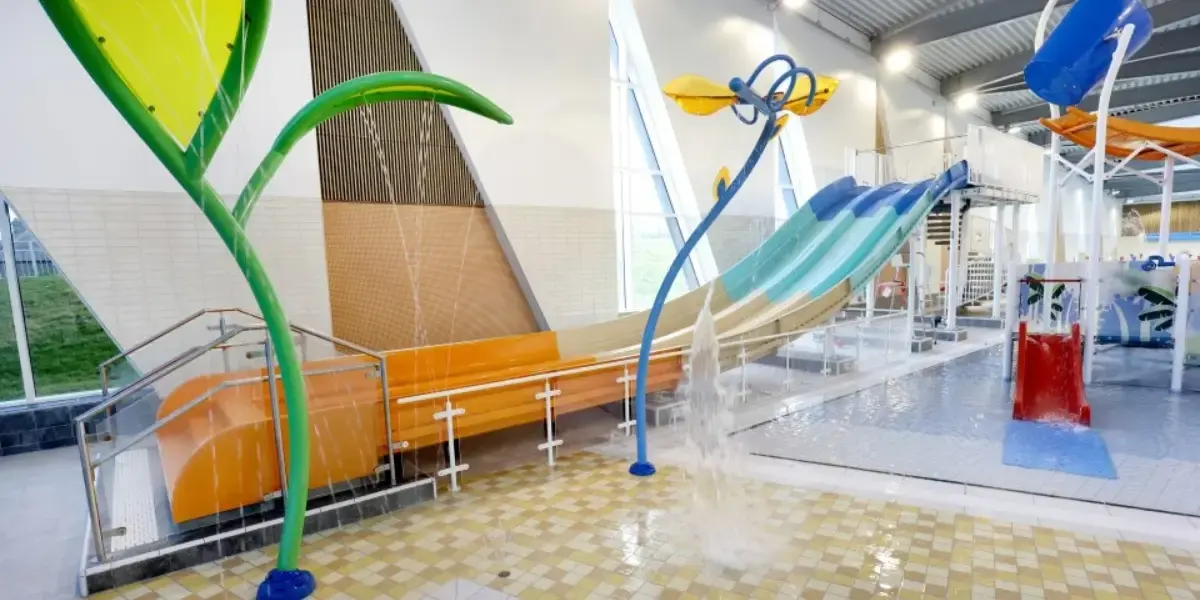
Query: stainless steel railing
228	331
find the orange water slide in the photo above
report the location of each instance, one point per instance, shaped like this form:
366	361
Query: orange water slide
222	455
1125	136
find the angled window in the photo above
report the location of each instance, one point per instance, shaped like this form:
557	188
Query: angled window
651	226
50	343
787	191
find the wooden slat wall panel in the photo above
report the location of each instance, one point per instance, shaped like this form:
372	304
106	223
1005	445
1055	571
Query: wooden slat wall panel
1185	216
424	165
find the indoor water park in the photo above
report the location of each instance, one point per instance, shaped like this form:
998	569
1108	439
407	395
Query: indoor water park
429	301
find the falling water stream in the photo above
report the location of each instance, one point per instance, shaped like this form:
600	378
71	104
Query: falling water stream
721	517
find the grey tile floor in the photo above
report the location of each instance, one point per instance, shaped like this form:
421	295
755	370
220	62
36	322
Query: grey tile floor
948	423
43	514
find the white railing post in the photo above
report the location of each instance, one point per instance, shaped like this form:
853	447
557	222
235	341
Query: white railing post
1180	328
1011	311
626	379
787	364
828	350
952	278
451	450
998	260
744	393
871	296
910	323
547	395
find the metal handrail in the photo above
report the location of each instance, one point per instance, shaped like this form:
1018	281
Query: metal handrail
629	360
165	369
165	332
158	373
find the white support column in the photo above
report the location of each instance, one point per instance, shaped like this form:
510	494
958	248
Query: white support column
952	279
1013	300
1164	223
452	450
871	297
915	241
1180	327
14	300
998	260
548	395
1098	177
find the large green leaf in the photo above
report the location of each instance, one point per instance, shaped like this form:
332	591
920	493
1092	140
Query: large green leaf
176	70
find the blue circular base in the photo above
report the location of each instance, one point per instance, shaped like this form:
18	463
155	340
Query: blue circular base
287	585
641	469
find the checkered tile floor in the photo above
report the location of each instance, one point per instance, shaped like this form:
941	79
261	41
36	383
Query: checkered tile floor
589	530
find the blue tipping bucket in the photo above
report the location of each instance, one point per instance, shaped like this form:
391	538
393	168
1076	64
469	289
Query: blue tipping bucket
1078	52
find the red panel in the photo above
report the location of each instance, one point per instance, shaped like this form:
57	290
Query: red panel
1049	381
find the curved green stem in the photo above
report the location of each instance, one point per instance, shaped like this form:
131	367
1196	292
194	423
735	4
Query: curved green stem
294	393
386	86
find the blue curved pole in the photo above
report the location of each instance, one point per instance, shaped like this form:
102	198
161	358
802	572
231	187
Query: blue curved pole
769	106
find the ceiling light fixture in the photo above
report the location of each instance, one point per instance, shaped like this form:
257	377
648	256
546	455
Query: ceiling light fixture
967	101
898	60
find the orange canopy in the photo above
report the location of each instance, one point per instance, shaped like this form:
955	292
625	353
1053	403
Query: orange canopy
1125	136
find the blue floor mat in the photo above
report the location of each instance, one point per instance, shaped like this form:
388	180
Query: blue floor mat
1055	447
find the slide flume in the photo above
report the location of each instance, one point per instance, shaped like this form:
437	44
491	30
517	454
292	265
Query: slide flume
221	455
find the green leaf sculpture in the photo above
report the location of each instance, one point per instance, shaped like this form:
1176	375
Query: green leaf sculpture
179	84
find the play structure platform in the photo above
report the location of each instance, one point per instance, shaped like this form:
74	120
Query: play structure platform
1049	380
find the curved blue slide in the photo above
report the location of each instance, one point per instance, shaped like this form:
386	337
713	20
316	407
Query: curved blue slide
1077	54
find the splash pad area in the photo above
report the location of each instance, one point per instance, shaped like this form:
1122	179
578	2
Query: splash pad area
460	444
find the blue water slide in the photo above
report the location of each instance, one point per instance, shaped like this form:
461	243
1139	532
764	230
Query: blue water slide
1077	54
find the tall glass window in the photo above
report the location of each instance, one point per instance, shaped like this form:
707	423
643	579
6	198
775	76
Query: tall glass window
649	230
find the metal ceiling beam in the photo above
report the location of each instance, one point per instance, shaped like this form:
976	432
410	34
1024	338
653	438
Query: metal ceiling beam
953	23
1133	187
1012	66
1168	112
1130	97
1149	67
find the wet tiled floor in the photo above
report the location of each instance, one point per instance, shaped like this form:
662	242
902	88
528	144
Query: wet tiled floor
589	530
948	423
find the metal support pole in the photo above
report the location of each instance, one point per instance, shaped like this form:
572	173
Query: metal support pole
386	396
1182	300
1011	305
89	483
952	281
998	258
1164	223
276	417
871	297
222	328
910	323
1098	178
787	364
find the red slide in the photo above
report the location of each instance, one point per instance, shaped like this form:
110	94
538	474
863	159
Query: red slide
1050	378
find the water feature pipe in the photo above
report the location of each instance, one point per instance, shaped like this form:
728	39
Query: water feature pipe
769	106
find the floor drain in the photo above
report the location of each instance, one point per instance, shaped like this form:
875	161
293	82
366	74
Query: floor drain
504	574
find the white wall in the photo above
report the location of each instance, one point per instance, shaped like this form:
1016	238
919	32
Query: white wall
138	251
549	175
